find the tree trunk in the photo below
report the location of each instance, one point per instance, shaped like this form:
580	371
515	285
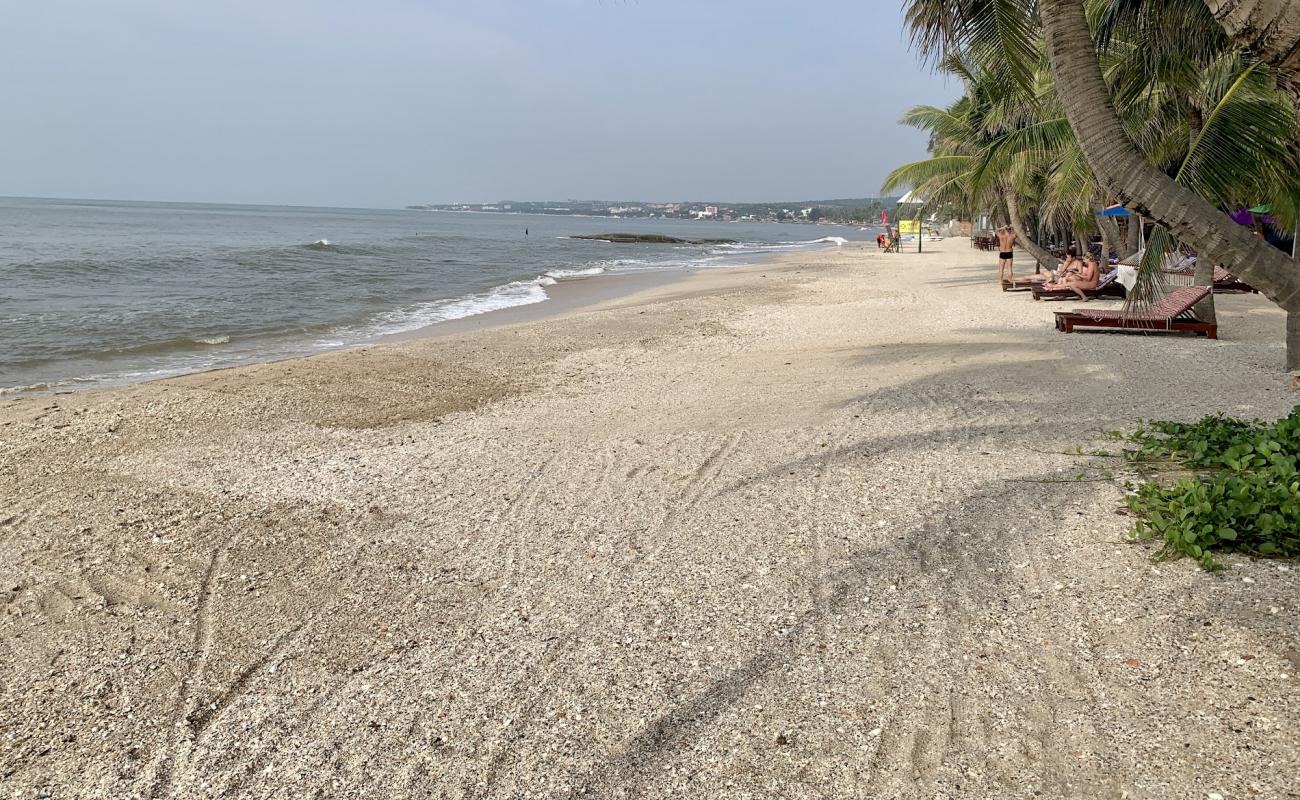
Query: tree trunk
1110	239
1134	235
1268	28
1203	275
1195	122
1293	341
1026	241
1121	168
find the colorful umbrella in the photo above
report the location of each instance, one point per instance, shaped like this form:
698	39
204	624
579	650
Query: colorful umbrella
1246	216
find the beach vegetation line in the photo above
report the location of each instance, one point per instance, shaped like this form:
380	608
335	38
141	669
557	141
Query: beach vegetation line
1239	490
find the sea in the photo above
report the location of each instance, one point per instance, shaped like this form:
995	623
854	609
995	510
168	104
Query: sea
101	292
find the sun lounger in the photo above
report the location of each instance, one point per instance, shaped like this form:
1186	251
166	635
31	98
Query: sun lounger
1022	284
1225	281
1108	286
1172	313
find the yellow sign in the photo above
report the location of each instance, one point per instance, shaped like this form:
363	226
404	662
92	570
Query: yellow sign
909	226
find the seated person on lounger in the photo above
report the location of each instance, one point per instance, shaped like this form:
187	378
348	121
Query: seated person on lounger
1078	280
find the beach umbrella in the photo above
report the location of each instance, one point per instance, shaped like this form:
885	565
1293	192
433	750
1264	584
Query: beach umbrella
1246	216
1243	216
914	198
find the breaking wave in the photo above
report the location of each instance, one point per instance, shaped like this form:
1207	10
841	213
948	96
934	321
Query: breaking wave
422	315
565	274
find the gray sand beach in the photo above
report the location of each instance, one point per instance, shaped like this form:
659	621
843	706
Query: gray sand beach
804	529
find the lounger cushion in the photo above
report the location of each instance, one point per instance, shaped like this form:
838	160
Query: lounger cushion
1177	302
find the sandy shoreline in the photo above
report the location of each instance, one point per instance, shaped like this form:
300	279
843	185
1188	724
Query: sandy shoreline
777	531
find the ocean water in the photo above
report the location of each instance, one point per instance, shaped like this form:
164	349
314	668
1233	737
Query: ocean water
97	292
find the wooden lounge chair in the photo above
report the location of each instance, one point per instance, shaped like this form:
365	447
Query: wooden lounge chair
1172	313
1108	286
1022	284
1225	281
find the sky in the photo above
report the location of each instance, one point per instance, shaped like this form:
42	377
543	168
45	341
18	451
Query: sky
385	103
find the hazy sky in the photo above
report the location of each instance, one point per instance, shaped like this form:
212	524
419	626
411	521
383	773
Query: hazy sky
389	102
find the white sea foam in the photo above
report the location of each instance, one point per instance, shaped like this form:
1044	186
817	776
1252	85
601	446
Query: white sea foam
564	274
213	340
35	388
838	241
405	320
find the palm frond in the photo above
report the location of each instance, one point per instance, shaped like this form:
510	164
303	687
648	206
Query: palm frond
1151	284
927	173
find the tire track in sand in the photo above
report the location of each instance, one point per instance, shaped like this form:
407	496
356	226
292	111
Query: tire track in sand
539	676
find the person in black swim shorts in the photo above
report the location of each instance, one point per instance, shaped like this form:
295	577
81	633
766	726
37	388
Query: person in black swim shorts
1006	258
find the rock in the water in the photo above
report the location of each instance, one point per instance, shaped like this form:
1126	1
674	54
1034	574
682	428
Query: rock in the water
648	238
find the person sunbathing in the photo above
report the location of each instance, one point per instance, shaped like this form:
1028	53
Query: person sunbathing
1079	280
1068	267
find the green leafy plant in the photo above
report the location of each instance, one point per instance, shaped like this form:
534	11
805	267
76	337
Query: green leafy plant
1240	491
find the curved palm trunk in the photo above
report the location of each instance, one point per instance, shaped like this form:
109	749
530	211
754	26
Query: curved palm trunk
1026	241
1134	242
1293	341
1203	275
1111	238
1123	170
1268	28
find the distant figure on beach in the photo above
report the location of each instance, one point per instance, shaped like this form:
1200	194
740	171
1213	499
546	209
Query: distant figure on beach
525	231
1006	258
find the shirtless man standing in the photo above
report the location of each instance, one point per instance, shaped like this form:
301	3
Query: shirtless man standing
1007	245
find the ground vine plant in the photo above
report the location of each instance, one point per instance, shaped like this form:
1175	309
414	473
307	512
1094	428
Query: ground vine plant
1239	490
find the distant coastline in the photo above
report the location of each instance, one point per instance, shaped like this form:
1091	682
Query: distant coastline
852	211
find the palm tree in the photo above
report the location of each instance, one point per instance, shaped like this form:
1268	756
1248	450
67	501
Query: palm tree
1122	167
1125	171
1268	28
957	174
